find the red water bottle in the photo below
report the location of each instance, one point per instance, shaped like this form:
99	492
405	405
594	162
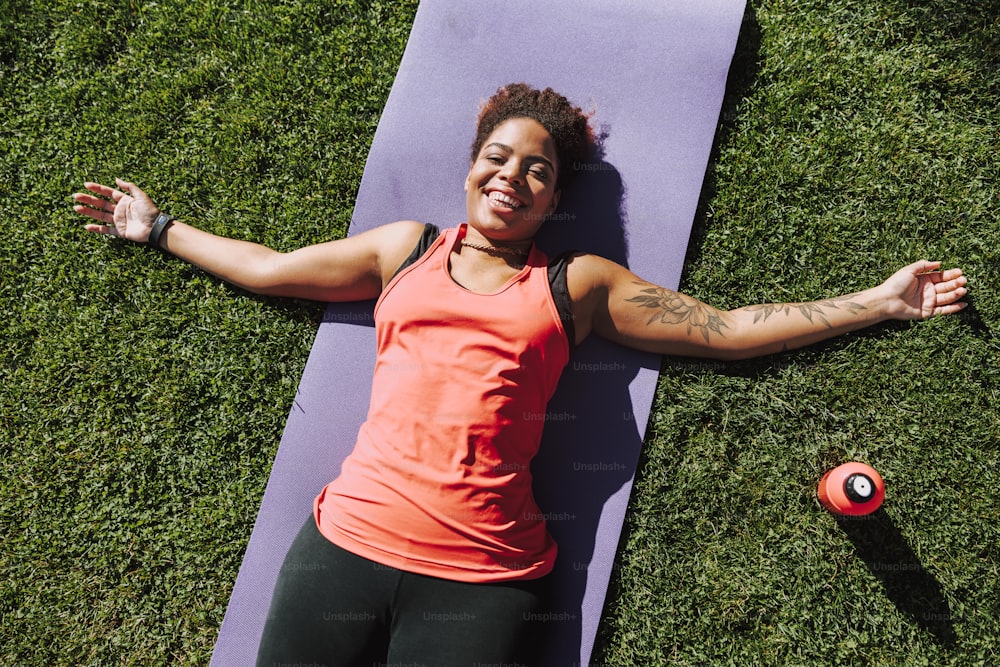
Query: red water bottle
852	489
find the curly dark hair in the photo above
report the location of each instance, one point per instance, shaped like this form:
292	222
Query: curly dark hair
568	125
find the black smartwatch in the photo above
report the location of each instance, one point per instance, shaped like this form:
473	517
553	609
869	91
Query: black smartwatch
159	226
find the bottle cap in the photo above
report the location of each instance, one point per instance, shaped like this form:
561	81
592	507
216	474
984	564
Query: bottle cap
851	489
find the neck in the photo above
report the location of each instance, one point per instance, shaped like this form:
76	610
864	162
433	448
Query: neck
499	250
475	239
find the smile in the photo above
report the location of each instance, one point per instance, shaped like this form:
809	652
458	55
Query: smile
502	200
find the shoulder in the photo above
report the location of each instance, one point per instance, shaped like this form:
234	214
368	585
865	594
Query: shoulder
587	274
385	239
590	281
399	232
395	242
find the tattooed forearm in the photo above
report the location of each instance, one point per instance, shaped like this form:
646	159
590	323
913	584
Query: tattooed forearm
813	311
669	307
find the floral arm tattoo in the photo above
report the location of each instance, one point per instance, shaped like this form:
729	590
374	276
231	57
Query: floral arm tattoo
670	307
816	309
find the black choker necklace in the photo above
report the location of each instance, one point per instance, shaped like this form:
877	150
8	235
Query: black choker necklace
497	250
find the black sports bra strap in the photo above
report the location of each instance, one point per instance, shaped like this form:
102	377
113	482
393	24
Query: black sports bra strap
427	238
560	294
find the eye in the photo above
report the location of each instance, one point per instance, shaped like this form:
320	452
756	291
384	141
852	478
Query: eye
541	173
493	158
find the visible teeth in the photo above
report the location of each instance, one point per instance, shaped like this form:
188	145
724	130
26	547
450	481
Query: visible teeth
501	198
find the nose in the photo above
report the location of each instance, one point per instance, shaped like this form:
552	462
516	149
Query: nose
511	171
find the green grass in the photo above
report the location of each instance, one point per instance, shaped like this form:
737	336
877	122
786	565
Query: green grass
142	401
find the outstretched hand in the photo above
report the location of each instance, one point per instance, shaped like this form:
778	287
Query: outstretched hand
125	211
922	290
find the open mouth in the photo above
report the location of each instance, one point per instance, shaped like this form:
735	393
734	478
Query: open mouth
503	201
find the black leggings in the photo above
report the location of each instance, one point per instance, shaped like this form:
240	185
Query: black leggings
333	608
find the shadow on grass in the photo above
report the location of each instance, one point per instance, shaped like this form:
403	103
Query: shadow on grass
964	31
907	583
742	73
971	318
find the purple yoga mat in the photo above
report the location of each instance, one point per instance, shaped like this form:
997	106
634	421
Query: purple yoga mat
653	73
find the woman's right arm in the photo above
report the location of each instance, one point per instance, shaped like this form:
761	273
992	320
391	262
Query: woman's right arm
350	269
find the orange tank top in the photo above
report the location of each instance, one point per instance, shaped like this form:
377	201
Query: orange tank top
439	481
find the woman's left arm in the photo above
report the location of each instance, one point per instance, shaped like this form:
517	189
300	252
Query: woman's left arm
628	310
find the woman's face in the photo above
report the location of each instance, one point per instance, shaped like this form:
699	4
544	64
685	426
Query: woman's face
511	186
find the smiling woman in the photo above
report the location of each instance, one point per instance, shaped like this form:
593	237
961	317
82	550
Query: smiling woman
511	186
431	510
567	125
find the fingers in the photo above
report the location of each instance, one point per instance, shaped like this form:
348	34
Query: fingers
132	190
923	267
954	289
110	230
106	202
124	185
94	207
105	217
951	275
95	202
943	280
114	194
951	308
955	284
949	289
949	285
101	208
93	213
103	190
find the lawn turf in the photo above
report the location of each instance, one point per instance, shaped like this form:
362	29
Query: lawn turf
142	401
